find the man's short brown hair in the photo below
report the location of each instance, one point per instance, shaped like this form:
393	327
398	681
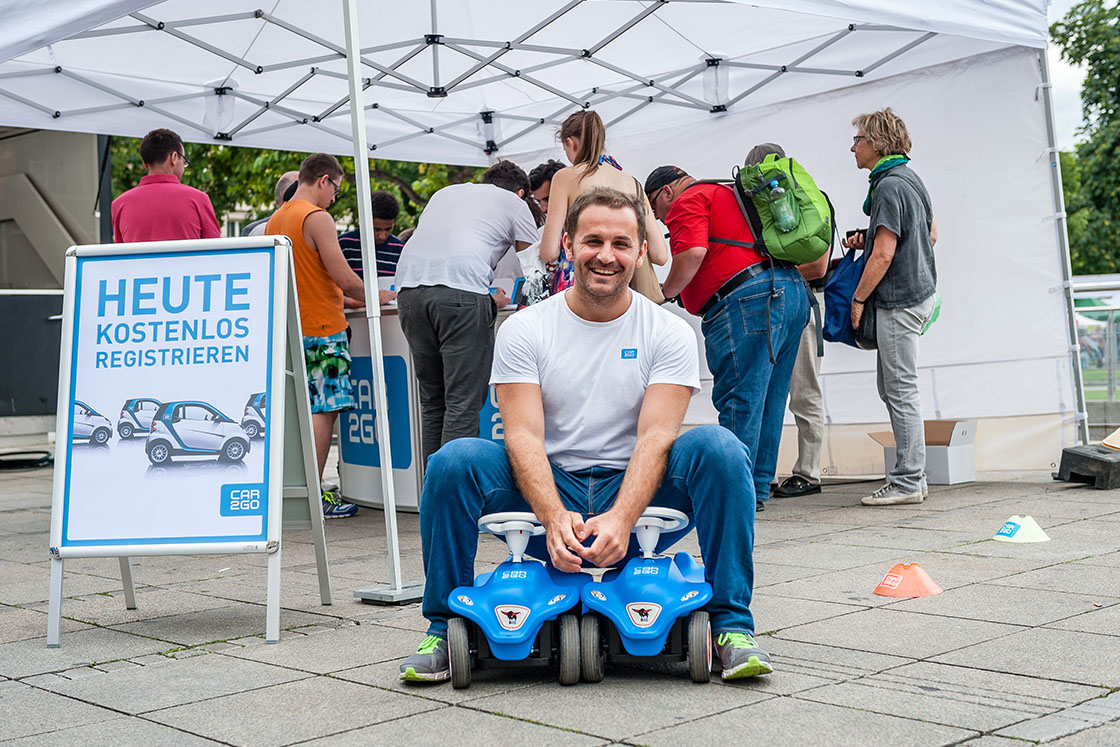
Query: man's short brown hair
318	165
885	132
608	198
158	145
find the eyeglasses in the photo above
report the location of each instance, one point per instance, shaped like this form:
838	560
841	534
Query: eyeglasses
337	187
857	138
186	161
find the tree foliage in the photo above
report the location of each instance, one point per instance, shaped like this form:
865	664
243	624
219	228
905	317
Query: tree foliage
244	179
1089	35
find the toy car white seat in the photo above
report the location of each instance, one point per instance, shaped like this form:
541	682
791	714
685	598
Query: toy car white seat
515	527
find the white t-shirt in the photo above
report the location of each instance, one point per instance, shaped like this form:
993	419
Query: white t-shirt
462	233
593	375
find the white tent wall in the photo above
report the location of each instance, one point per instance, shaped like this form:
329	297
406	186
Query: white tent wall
999	349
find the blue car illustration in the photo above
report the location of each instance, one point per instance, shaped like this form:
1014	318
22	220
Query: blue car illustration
253	420
192	428
136	416
90	425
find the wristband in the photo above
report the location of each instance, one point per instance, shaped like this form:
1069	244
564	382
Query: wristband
861	303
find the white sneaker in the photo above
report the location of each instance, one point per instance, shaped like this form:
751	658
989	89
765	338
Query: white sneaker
892	495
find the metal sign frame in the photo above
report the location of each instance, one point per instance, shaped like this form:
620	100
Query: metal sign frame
290	468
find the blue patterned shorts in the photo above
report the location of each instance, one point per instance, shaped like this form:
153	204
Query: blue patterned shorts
328	373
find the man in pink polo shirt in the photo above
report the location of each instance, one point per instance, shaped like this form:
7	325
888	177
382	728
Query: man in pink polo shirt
161	208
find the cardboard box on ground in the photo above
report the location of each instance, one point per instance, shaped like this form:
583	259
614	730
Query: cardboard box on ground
950	458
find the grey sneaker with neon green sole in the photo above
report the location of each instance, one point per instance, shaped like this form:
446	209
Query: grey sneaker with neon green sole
740	656
430	663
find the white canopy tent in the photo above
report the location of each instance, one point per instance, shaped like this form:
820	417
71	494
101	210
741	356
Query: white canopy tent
690	82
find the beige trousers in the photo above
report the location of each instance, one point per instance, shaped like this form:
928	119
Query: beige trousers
807	404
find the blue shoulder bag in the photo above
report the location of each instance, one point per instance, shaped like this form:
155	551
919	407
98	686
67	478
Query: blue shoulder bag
838	294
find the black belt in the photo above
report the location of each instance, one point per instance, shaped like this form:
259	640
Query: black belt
736	280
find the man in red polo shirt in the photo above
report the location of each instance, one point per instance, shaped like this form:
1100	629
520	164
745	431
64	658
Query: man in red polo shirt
753	309
161	208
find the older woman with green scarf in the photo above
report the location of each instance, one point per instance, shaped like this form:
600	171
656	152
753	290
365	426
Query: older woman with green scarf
901	275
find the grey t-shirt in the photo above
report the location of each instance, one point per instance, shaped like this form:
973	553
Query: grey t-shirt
900	204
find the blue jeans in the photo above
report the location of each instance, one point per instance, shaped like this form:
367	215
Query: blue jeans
748	390
707	477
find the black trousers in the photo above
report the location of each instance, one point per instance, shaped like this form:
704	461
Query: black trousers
451	336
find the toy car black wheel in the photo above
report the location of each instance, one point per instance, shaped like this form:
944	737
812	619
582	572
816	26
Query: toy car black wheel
125	430
569	649
699	646
251	430
234	450
101	436
592	657
159	452
459	653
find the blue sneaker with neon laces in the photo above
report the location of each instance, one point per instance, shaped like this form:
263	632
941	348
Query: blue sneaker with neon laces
334	508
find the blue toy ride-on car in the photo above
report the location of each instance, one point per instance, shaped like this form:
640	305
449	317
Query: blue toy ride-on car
518	614
651	607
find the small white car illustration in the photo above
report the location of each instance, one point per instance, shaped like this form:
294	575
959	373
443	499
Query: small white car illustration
90	425
192	428
253	420
136	416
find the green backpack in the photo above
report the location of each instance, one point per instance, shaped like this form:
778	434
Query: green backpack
795	217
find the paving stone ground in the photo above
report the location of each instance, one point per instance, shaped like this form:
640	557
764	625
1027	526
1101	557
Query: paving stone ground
1023	646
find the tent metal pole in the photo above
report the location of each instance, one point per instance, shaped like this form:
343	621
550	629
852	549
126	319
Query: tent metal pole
1082	414
397	592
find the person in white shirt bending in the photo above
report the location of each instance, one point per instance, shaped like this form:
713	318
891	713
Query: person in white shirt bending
592	385
446	310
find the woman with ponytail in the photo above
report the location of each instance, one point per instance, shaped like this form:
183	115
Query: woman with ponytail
583	137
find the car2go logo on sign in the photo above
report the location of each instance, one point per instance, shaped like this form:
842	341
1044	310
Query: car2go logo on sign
243	500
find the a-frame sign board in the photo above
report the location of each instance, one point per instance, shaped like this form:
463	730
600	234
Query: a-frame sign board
184	425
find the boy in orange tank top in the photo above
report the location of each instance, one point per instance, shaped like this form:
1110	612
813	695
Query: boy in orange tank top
323	278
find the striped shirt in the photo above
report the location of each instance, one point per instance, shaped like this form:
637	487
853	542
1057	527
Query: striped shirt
387	254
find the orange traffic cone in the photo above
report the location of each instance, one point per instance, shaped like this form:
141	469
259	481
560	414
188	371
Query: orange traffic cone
907	580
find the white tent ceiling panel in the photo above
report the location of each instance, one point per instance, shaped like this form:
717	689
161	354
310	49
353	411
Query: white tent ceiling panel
642	64
1019	22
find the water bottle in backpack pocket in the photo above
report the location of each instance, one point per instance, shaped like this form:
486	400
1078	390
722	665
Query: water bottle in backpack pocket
783	207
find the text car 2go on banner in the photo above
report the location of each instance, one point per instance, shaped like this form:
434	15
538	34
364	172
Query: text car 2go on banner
170	376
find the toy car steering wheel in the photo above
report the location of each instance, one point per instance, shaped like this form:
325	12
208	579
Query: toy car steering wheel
655	520
516	527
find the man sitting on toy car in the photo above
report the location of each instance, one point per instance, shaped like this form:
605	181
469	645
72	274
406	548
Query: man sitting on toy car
593	385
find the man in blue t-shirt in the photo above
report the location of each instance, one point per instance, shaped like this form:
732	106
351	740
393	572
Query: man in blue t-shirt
386	246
